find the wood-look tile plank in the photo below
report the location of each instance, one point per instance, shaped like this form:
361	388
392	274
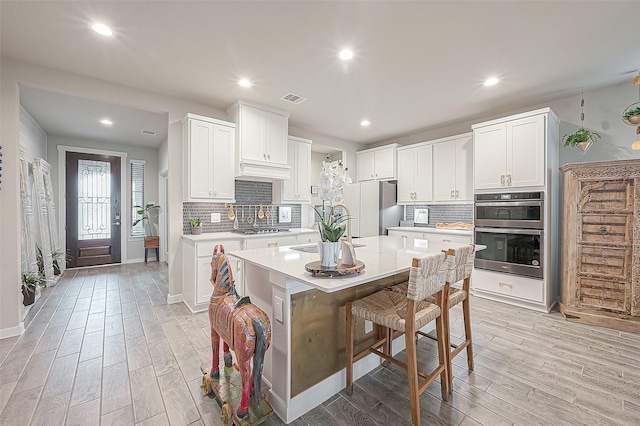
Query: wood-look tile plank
320	416
92	346
180	407
123	416
209	410
113	307
78	320
138	353
61	377
68	302
50	339
71	342
20	407
162	357
99	293
115	350
116	392
152	331
61	317
348	414
164	313
197	336
147	400
87	414
113	325
82	305
159	420
88	382
51	411
133	327
97	306
95	322
36	372
5	392
183	350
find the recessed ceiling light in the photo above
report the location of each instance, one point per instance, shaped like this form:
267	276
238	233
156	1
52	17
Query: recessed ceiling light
364	123
106	122
102	29
491	81
346	54
244	83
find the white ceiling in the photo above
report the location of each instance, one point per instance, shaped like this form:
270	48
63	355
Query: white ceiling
417	65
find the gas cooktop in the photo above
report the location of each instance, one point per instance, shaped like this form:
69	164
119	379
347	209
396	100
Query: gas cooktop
259	231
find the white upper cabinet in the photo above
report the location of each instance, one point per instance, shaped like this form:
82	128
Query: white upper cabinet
261	141
208	159
510	152
452	169
377	163
298	188
414	174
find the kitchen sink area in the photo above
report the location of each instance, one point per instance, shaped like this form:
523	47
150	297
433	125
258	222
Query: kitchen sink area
313	248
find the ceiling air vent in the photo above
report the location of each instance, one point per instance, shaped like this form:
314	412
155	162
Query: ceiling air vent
149	132
293	98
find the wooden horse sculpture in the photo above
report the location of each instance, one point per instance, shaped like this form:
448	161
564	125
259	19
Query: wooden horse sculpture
243	327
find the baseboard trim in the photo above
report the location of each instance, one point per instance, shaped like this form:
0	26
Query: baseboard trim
12	331
174	298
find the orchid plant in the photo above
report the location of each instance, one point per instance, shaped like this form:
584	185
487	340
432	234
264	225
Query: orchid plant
333	179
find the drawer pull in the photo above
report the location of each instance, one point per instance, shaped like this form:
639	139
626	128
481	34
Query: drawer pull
446	241
603	229
272	244
505	285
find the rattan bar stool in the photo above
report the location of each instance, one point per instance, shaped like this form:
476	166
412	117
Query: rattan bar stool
458	265
406	313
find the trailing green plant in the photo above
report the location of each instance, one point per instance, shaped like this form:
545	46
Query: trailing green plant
579	136
195	222
145	213
40	260
627	115
330	226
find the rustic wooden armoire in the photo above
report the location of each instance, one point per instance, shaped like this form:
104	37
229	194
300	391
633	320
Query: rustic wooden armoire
601	244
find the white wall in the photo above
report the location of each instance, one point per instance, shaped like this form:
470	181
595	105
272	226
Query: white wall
13	73
135	249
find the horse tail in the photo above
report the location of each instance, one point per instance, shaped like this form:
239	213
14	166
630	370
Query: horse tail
262	340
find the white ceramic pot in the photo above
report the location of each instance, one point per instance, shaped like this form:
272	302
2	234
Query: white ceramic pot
329	252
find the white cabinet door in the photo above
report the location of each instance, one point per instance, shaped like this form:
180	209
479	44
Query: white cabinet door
223	182
464	168
525	152
415	180
406	175
253	134
444	171
309	238
385	163
489	156
270	241
200	152
276	137
303	172
203	283
289	186
366	165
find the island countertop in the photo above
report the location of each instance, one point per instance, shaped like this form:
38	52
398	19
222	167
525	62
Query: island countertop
383	256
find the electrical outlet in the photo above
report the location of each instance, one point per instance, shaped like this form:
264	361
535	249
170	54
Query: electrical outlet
277	308
368	326
215	217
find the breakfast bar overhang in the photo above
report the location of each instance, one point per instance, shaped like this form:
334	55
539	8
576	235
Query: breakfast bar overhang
306	361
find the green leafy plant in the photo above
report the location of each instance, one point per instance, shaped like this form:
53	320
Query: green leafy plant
195	222
580	135
30	280
40	260
627	115
145	213
330	226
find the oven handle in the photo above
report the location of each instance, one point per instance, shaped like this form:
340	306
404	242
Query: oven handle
510	203
510	231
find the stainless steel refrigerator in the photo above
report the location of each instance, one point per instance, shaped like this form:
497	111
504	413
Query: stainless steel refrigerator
373	207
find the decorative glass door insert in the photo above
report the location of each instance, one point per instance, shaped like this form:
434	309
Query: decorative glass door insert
94	200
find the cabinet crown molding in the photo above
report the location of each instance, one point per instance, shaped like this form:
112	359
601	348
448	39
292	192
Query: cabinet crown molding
540	111
208	119
256	105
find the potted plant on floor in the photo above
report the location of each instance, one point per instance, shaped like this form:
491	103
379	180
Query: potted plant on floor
196	226
150	241
29	282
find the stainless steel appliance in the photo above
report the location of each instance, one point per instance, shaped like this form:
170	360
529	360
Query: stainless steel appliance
511	225
373	207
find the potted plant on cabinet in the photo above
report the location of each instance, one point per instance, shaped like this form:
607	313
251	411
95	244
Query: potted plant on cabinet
150	241
196	226
29	282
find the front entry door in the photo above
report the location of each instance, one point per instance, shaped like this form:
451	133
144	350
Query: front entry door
93	209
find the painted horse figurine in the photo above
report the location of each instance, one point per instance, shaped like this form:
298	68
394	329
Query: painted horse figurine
243	327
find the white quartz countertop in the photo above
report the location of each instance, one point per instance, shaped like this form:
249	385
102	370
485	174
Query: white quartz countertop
383	256
431	230
228	235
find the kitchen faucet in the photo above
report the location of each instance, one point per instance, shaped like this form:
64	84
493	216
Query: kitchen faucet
348	219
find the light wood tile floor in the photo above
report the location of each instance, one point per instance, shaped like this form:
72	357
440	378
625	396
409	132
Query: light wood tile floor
103	347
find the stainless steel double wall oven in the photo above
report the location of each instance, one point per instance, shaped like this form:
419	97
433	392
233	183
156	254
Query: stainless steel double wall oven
511	225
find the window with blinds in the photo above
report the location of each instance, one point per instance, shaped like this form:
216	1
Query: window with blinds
137	196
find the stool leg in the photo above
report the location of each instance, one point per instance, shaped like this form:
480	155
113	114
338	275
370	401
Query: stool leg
157	254
412	372
443	355
466	313
145	254
349	349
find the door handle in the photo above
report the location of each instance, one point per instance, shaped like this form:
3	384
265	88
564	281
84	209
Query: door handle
509	179
501	180
116	223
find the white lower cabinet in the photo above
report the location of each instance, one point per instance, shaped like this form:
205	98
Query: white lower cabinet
308	238
413	233
517	288
197	287
269	241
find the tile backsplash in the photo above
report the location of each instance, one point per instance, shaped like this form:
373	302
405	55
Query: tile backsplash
443	213
247	192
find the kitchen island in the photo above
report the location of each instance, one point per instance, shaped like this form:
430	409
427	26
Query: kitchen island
305	364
